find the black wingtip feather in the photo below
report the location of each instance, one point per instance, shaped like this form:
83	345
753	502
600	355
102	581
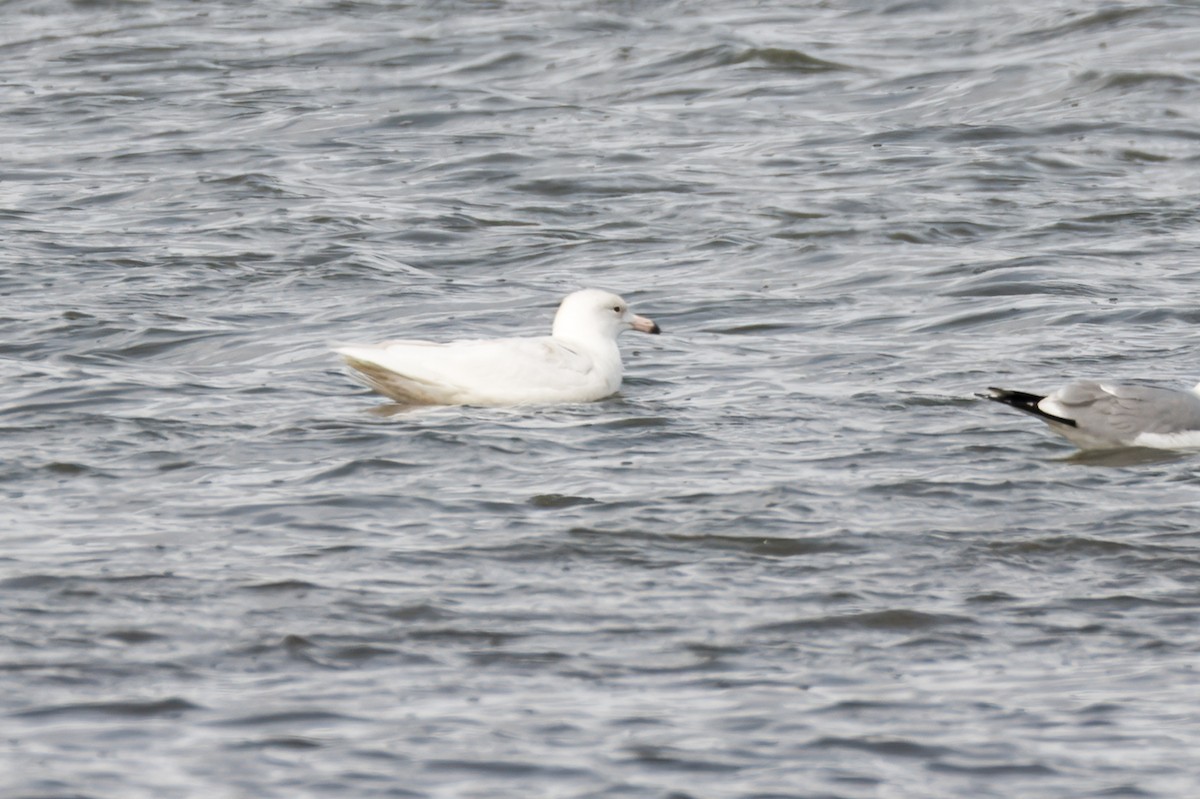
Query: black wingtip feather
1024	401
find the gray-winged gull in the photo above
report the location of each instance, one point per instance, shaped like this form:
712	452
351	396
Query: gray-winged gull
1095	415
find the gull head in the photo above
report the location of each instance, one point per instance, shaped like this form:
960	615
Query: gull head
590	313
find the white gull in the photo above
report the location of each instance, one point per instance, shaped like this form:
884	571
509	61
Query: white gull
578	362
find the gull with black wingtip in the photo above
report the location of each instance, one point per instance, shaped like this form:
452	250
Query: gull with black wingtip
1095	415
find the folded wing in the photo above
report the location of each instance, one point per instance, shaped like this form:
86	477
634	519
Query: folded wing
1125	414
494	372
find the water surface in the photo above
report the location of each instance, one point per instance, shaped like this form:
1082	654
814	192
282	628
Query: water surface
795	557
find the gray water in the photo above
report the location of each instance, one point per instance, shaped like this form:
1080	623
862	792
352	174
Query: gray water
795	557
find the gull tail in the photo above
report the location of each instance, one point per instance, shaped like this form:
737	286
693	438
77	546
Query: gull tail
1024	401
399	387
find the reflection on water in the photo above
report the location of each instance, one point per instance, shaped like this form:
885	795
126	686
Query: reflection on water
1128	456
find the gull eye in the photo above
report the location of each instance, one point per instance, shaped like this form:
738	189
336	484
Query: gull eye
617	308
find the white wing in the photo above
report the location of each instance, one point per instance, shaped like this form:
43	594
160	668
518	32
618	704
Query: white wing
489	372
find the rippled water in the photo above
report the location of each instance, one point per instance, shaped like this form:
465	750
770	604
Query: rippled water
795	557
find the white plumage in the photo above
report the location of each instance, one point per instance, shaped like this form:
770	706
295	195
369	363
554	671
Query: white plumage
578	362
